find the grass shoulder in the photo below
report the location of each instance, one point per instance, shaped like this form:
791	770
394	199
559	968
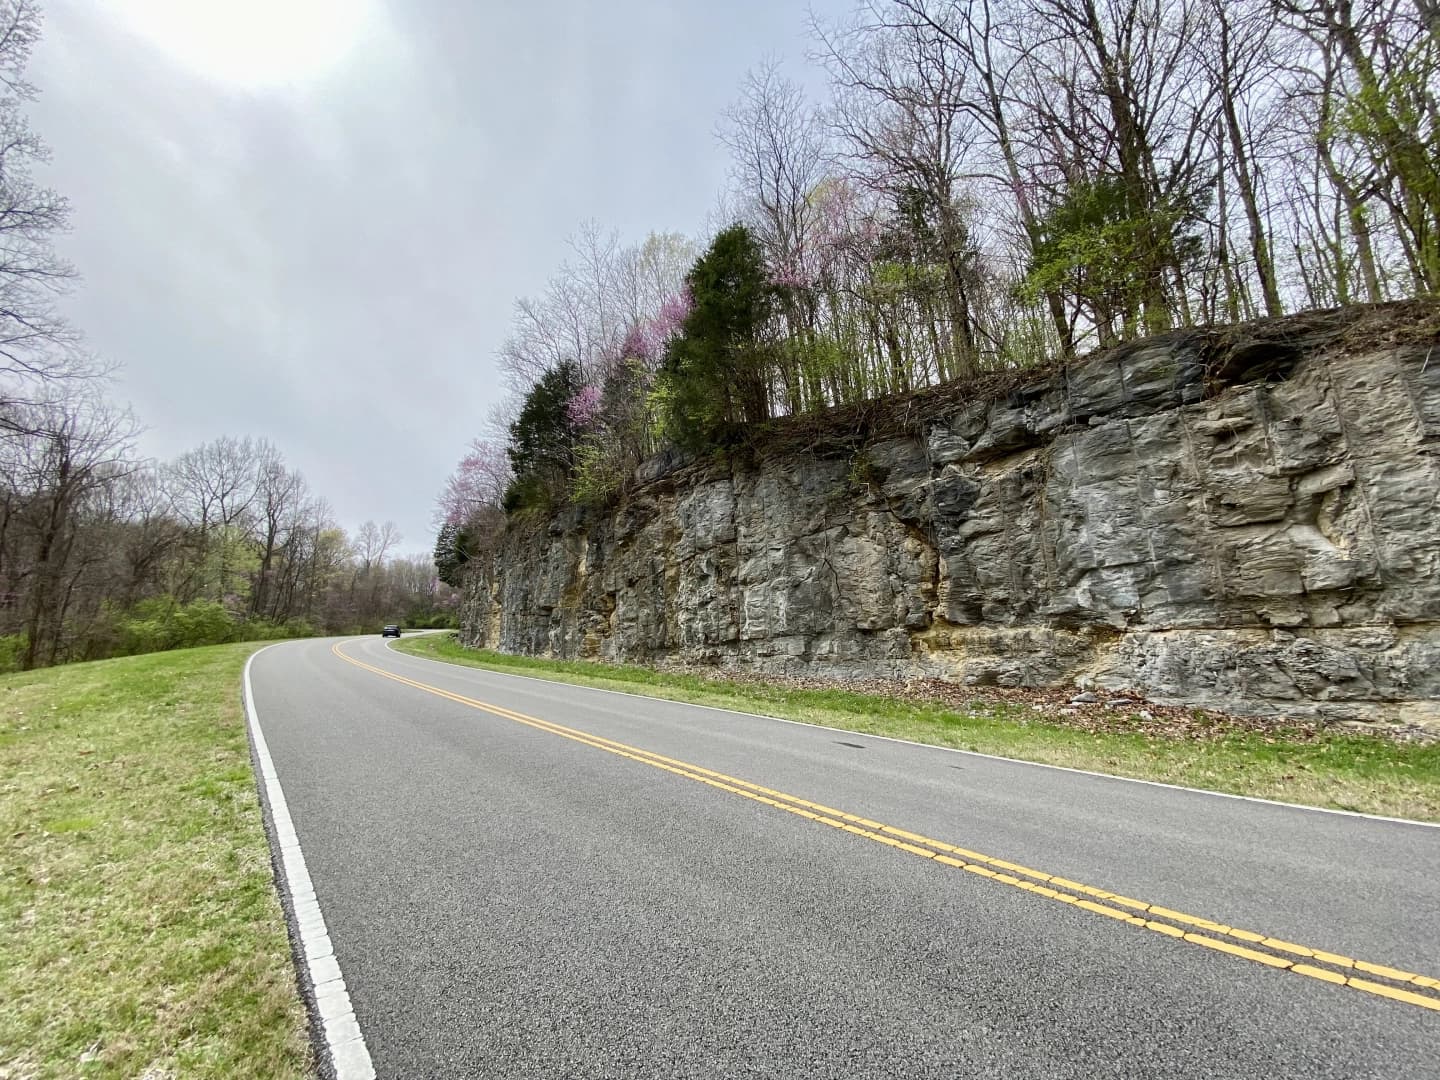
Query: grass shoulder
1339	770
138	915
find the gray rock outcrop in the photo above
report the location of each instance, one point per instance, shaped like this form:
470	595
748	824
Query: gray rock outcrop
1246	520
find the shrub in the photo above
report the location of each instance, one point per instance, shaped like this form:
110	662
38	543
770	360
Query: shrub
12	649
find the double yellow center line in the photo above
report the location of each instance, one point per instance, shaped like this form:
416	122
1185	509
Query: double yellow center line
1388	982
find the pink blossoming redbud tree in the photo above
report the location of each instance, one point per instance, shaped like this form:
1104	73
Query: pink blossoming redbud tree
584	408
479	481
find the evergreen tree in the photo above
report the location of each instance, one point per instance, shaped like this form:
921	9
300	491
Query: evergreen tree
720	366
543	438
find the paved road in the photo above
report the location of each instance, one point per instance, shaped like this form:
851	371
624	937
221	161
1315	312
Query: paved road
511	899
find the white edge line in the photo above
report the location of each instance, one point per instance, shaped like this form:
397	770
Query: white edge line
946	749
349	1056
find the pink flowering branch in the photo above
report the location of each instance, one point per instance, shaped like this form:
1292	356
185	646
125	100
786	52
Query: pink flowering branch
584	408
648	338
479	480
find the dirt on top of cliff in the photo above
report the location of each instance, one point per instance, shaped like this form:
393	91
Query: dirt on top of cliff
1231	354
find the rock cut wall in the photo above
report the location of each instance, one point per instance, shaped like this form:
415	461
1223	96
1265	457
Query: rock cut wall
1246	520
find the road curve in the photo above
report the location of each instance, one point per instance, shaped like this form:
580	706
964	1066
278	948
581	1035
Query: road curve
528	879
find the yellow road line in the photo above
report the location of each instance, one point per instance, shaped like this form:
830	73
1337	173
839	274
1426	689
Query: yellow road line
1118	907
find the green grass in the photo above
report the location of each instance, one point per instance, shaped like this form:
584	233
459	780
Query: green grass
139	925
1341	770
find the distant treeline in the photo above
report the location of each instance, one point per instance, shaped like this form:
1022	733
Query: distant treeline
102	553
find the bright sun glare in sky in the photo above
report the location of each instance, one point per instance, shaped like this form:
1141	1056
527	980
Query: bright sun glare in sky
251	43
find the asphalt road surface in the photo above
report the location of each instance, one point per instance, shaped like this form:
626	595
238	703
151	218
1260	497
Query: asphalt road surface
527	879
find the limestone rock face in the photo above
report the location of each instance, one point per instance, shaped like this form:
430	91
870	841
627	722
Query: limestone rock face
1246	520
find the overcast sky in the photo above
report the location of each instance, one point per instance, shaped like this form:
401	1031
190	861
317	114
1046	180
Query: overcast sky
310	224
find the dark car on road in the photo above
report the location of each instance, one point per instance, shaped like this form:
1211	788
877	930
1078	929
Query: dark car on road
390	631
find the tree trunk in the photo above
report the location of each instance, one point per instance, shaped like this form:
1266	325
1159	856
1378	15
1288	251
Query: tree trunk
1245	183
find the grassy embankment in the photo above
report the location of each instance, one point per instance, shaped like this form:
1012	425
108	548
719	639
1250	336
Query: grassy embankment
1339	770
138	919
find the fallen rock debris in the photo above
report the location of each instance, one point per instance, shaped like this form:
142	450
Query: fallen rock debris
1098	713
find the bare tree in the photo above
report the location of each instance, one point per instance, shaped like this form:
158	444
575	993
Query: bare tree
1243	59
1378	126
314	560
37	346
151	538
280	503
650	273
901	90
779	161
597	279
373	542
988	36
213	489
78	447
779	158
